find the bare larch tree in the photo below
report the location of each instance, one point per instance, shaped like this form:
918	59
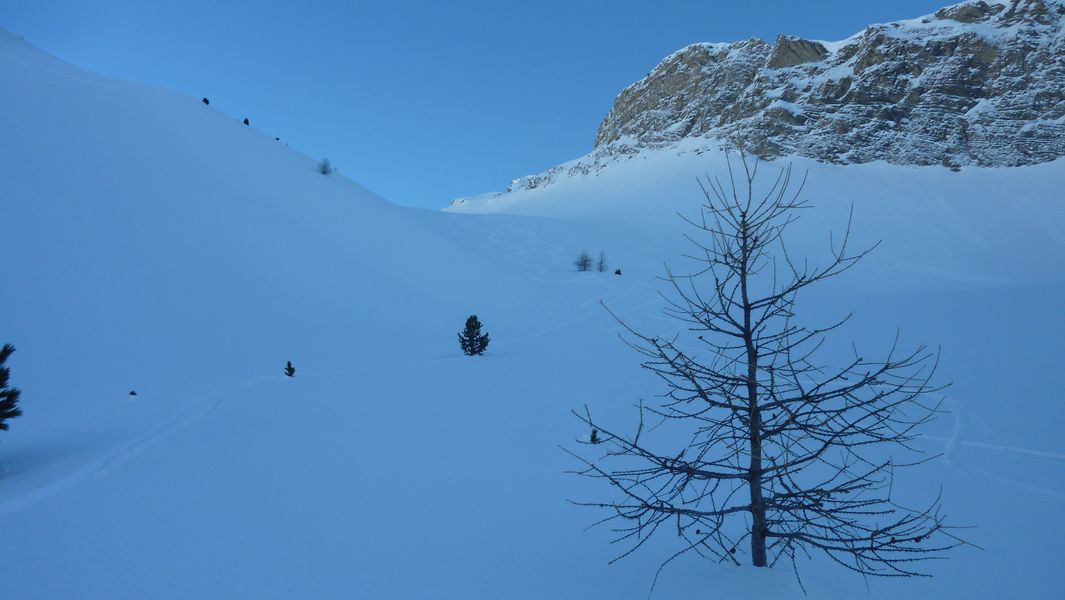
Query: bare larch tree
754	443
583	262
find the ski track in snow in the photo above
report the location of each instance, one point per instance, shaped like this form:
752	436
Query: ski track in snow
514	253
615	293
129	450
957	439
124	452
201	409
625	298
647	303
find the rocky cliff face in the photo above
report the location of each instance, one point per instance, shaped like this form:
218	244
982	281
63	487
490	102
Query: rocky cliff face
978	83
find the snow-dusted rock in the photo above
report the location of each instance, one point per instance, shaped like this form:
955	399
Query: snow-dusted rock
978	83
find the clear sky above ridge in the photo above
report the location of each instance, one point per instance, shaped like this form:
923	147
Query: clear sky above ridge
421	102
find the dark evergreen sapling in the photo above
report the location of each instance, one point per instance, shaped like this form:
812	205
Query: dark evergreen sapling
8	395
471	340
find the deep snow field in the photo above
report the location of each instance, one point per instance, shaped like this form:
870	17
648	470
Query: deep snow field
154	244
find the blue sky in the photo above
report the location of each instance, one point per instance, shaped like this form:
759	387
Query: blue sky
421	102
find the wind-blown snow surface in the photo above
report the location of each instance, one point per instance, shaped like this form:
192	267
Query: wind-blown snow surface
153	244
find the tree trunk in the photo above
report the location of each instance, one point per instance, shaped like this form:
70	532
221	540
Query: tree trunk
754	433
758	523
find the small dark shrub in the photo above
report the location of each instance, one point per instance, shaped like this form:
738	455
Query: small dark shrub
471	340
8	395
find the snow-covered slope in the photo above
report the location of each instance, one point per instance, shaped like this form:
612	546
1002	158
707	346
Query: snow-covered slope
942	229
154	244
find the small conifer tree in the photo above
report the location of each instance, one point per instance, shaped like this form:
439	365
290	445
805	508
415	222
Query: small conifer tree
471	340
8	395
600	265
